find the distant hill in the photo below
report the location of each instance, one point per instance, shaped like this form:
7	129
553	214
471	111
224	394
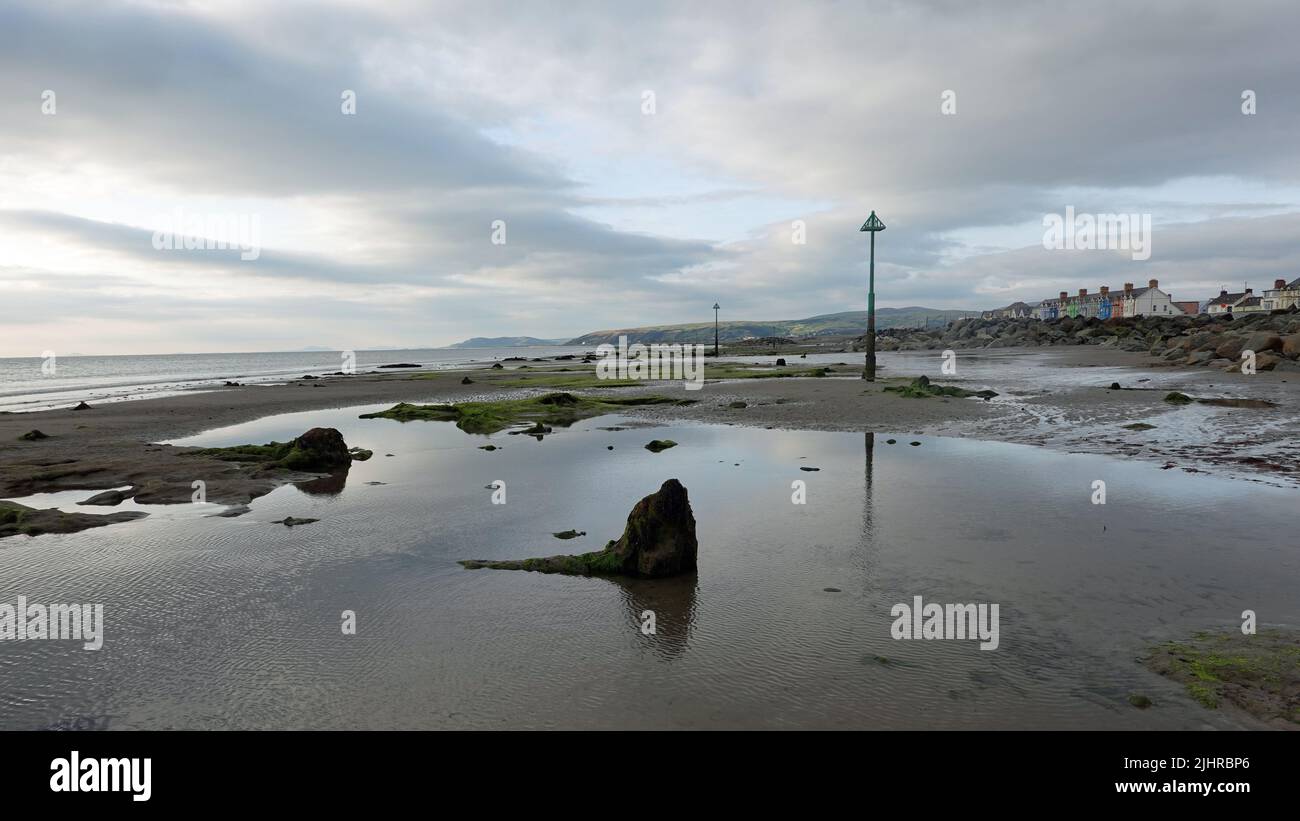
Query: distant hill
848	322
505	342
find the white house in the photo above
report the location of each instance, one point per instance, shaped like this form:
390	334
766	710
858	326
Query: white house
1226	303
1148	301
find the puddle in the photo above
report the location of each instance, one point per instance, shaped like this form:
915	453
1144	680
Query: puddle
235	623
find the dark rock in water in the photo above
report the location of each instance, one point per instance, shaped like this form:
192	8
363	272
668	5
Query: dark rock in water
890	441
1139	426
309	376
609	447
538	429
914	444
1177	398
780	362
400	365
376	483
20	520
292	522
360	454
33	435
497	366
318	449
1115	386
82	406
109	498
659	540
809	469
569	534
831	590
487	447
467	381
1139	701
738	405
657	445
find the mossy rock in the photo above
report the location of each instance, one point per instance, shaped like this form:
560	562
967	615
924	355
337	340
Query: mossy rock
657	445
1257	673
1176	398
658	540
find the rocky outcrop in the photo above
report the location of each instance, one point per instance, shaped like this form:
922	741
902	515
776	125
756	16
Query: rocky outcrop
1179	340
20	520
317	450
659	540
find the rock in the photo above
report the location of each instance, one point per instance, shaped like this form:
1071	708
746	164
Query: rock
360	454
292	522
20	520
569	534
810	470
487	447
33	435
1291	346
1263	341
658	541
496	366
1230	348
1115	386
400	365
780	362
1267	361
1138	426
318	449
82	406
657	445
467	381
1177	398
738	405
914	444
109	498
1139	701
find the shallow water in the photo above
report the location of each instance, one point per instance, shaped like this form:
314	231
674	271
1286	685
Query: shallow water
235	623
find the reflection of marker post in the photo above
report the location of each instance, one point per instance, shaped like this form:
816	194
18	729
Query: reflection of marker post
872	225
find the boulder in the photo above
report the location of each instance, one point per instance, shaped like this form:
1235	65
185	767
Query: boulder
1263	341
1230	348
318	449
1291	346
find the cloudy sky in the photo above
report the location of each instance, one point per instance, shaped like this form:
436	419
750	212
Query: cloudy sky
645	159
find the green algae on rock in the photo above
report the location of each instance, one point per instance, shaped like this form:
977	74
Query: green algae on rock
659	540
922	388
491	416
1258	673
319	449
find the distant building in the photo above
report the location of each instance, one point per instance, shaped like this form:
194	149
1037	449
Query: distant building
1189	308
1283	294
1148	301
1225	302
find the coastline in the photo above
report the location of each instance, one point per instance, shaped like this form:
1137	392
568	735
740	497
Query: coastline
116	444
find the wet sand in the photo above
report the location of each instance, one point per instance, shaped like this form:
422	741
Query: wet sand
1056	399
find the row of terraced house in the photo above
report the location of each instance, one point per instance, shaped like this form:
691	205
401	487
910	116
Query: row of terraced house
1150	301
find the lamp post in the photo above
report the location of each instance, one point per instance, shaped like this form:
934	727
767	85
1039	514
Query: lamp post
715	330
872	225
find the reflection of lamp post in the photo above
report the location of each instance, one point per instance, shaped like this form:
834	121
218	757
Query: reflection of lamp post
715	330
872	225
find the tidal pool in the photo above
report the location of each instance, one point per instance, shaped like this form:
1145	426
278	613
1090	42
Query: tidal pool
221	623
